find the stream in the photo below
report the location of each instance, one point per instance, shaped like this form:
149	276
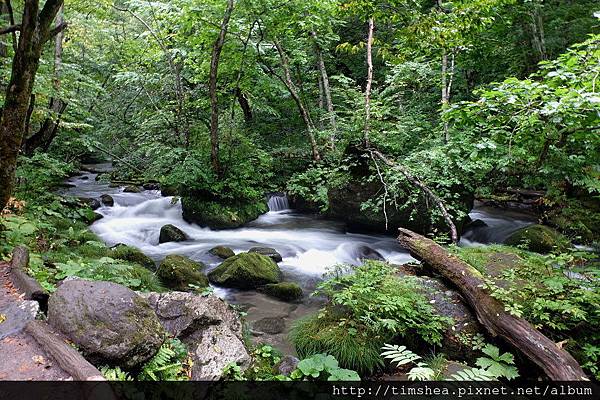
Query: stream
309	245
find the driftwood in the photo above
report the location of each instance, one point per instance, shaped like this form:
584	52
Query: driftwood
67	357
556	363
24	282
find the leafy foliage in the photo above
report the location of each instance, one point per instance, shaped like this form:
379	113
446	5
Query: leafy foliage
323	366
373	295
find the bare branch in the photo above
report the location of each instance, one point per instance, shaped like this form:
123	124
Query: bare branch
10	29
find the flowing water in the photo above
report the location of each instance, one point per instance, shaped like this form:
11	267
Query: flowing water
309	245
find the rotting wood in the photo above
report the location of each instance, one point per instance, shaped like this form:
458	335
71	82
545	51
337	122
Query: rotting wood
67	357
23	282
556	363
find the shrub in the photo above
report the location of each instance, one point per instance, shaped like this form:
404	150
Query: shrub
385	303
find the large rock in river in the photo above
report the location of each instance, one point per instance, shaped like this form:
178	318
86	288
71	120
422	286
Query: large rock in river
539	238
222	252
171	233
287	291
267	251
208	326
216	215
346	202
109	323
246	271
180	273
107	200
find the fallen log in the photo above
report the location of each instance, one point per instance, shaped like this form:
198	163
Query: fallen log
556	363
67	357
23	282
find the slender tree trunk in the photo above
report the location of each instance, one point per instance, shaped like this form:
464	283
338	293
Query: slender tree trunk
447	80
326	90
537	27
212	89
287	80
35	30
369	79
321	99
47	132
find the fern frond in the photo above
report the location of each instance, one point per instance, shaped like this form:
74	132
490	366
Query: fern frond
399	354
472	374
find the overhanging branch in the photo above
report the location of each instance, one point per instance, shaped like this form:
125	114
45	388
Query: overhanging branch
10	29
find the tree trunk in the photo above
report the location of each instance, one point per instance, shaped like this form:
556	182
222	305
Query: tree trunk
212	90
556	363
244	105
369	79
537	27
326	90
287	80
447	80
45	135
34	32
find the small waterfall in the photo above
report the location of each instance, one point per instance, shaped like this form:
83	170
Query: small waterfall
278	202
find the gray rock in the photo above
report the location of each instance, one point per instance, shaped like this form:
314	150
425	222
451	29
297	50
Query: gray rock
132	189
287	365
207	325
171	233
151	186
450	303
17	315
267	251
109	323
107	200
271	325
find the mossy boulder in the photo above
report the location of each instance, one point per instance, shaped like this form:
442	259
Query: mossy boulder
171	233
216	215
267	251
287	291
128	253
222	252
109	323
246	271
179	272
90	202
361	185
539	238
169	190
132	189
579	219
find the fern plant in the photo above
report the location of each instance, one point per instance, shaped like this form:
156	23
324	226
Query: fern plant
167	365
402	356
115	374
490	368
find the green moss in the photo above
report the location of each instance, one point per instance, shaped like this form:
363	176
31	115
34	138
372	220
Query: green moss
222	252
354	346
181	273
134	255
539	238
220	216
246	271
578	220
288	291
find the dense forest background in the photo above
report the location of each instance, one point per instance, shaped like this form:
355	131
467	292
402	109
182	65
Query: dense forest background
234	99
